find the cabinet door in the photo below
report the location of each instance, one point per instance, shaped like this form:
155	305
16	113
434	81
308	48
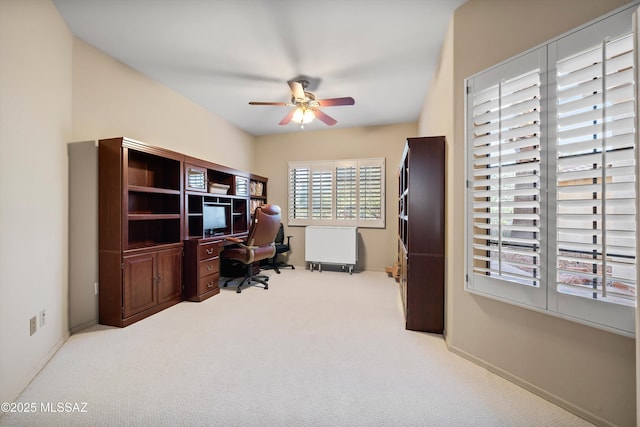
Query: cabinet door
195	178
139	283
169	274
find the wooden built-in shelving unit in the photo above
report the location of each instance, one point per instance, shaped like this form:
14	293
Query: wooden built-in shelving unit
151	207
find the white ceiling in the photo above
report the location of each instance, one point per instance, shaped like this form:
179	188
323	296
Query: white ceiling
222	54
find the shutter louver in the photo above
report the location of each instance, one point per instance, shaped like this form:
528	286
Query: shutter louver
595	201
506	180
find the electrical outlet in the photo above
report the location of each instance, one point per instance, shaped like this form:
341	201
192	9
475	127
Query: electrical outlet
42	318
32	325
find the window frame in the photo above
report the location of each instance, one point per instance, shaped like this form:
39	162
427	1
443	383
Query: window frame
333	166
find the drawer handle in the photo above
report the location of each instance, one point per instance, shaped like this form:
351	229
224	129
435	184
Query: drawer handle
209	267
210	285
209	251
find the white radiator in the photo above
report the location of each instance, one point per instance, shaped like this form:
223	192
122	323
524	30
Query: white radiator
331	245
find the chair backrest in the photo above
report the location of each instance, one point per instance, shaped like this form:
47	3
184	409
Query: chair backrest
280	236
264	226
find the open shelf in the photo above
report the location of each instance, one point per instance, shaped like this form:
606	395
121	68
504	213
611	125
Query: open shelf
150	170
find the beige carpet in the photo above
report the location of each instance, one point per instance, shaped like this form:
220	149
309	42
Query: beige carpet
316	349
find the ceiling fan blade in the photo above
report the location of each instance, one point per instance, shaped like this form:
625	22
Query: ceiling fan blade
296	89
328	120
268	103
287	118
332	102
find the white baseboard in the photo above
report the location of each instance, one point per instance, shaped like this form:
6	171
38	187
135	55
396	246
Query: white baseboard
84	325
41	365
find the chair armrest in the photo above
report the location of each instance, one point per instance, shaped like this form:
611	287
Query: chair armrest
234	239
240	242
288	238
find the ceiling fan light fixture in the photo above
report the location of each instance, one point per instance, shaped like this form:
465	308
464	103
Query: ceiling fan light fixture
303	116
306	106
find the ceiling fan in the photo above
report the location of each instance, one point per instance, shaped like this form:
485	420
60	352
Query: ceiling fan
306	106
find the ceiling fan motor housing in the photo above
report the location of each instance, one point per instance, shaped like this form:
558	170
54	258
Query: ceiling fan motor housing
308	83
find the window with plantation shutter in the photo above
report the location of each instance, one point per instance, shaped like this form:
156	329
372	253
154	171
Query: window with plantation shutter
337	192
551	177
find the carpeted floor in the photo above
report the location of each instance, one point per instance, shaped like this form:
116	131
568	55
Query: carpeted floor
316	349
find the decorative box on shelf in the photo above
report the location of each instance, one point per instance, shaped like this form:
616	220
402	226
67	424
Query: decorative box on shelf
218	188
256	188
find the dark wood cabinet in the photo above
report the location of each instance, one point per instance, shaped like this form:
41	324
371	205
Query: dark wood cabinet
153	205
421	233
140	230
151	278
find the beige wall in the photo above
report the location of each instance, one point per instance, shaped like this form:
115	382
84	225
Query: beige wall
35	123
584	369
56	89
111	99
378	246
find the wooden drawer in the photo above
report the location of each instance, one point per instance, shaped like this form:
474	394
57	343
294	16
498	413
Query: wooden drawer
209	266
207	284
208	250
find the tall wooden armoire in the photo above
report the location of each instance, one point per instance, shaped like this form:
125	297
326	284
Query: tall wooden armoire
421	233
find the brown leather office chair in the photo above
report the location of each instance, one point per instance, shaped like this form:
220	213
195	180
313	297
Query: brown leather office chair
258	245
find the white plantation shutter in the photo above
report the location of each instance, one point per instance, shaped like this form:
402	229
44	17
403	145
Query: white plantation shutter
321	191
299	190
371	191
596	173
339	193
346	196
551	199
504	128
593	161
